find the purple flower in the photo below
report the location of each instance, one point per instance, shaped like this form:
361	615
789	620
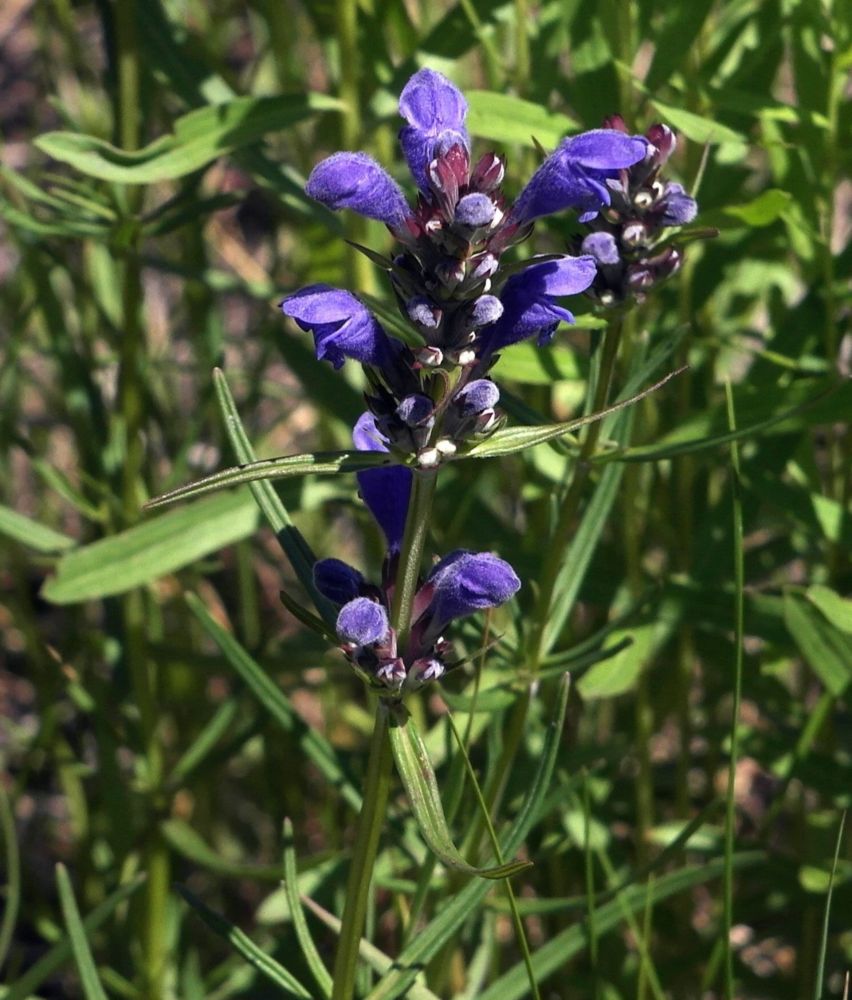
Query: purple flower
385	491
362	621
529	301
679	207
356	181
464	582
342	326
435	111
337	580
575	175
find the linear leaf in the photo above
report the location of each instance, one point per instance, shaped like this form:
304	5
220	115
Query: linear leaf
428	942
32	534
151	549
289	537
242	943
696	127
191	845
373	956
564	946
837	609
510	440
297	914
199	138
329	462
59	954
77	935
809	409
421	787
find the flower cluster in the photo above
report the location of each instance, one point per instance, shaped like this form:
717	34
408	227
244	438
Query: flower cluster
628	238
430	398
461	583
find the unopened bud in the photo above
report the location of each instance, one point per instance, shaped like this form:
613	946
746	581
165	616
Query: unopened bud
446	447
429	458
488	173
429	357
634	234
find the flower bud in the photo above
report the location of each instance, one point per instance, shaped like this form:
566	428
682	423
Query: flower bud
475	210
422	312
488	173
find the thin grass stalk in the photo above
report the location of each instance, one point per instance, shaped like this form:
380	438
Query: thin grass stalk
730	815
520	931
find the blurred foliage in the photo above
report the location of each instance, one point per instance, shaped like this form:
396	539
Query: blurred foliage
162	713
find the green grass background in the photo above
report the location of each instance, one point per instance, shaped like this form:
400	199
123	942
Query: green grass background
152	214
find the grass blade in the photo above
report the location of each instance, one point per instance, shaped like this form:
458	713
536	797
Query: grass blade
59	954
428	943
242	943
291	540
739	583
13	874
823	945
291	886
77	935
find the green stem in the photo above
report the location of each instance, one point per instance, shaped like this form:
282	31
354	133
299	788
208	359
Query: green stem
370	824
377	781
574	494
739	578
411	554
132	407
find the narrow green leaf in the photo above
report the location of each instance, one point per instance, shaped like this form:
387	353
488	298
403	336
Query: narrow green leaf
508	119
564	946
315	746
428	942
510	440
837	609
77	935
199	138
32	534
191	845
421	787
152	549
12	866
205	742
750	402
329	462
242	943
825	648
373	956
826	920
310	954
59	954
291	540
